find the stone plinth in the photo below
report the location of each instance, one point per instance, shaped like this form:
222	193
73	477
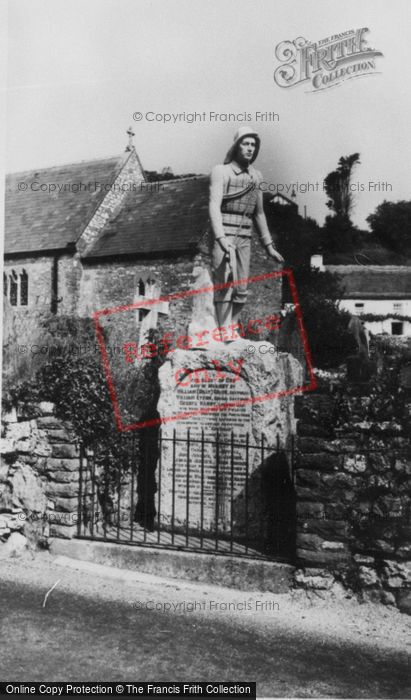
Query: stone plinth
220	392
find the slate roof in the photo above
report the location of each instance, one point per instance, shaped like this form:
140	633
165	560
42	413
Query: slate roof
40	221
374	281
172	217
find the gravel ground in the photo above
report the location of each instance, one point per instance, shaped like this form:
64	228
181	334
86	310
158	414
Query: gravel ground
109	623
375	625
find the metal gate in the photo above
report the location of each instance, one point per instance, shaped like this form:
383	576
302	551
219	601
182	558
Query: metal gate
221	494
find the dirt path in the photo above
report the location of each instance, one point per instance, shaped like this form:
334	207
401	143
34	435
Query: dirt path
111	625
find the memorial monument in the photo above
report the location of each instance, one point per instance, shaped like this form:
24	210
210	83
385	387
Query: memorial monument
227	391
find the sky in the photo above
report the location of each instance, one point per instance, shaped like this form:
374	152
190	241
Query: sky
78	70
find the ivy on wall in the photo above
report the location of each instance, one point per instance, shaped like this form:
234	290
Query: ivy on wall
77	385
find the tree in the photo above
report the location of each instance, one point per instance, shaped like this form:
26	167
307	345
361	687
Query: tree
337	186
296	238
391	224
339	234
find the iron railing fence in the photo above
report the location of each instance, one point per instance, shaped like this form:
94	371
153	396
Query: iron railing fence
222	494
225	494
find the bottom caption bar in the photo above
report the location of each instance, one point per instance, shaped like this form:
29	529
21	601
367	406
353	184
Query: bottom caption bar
144	690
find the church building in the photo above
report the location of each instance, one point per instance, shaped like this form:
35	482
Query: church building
97	234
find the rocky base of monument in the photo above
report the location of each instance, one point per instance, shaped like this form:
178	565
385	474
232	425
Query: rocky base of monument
253	373
226	413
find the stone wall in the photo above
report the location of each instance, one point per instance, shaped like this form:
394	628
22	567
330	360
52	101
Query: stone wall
70	272
39	271
40	276
23	323
39	474
114	283
353	489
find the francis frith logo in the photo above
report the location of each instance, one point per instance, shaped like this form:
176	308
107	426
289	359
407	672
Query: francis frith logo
326	63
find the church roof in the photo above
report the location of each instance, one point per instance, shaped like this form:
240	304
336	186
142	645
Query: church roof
162	216
38	220
374	281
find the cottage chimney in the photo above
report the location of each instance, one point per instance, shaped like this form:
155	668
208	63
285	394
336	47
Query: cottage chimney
317	262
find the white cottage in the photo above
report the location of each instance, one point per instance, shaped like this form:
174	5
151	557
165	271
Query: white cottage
381	294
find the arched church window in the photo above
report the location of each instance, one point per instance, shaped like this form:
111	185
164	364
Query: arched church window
141	288
13	288
24	288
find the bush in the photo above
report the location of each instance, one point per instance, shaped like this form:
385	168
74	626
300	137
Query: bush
76	383
297	238
325	323
328	337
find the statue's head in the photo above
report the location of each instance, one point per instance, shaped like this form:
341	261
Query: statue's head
245	146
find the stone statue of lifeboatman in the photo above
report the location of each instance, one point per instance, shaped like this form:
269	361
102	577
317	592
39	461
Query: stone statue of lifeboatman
236	203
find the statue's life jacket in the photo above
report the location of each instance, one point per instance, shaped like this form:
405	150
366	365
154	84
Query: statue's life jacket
239	201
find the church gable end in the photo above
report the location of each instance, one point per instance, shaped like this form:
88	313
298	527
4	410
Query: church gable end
128	179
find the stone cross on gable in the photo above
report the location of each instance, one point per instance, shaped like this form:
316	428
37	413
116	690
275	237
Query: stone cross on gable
130	134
